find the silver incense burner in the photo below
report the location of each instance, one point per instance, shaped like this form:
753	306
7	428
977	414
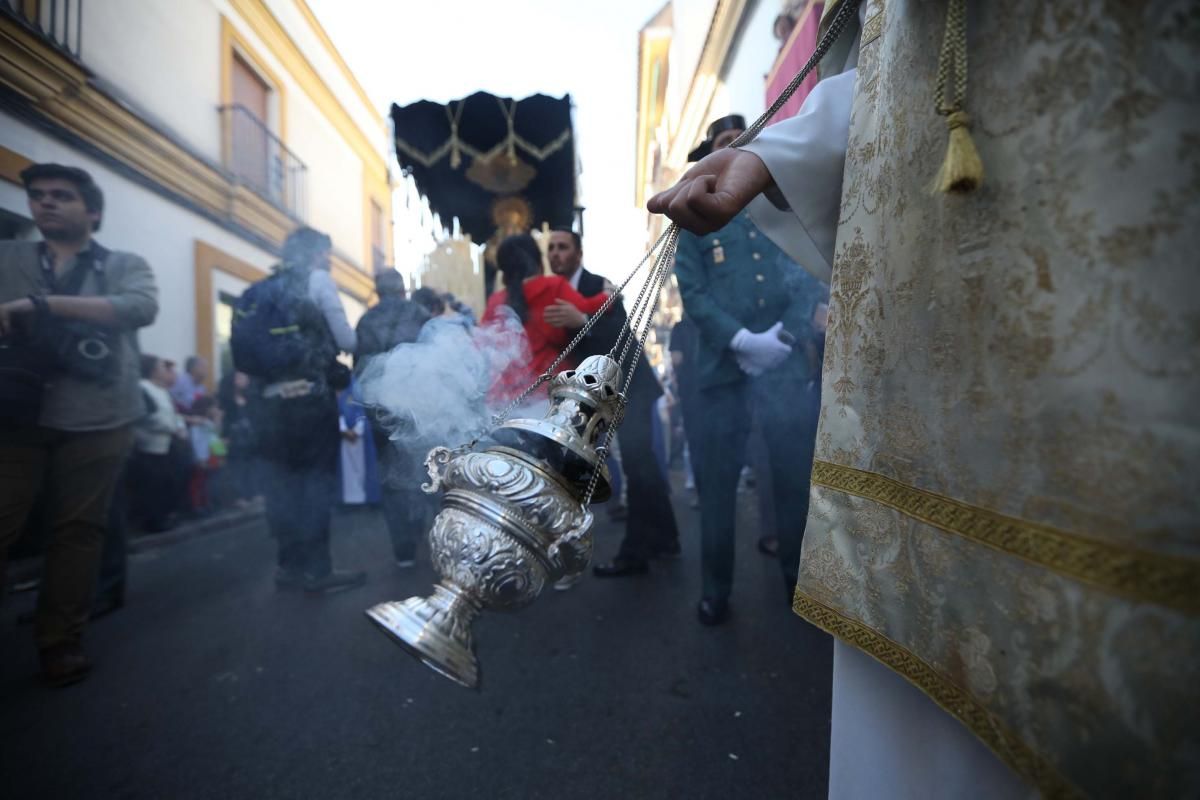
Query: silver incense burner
512	518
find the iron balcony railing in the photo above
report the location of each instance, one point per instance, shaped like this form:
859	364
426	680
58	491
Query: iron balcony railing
58	21
260	161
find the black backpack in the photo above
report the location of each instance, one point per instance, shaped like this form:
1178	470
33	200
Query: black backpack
273	335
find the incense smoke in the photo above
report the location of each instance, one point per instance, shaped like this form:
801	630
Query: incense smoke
435	390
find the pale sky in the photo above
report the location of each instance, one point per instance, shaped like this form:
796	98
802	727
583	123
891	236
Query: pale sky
408	50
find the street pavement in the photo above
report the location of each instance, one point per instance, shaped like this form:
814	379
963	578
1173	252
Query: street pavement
211	684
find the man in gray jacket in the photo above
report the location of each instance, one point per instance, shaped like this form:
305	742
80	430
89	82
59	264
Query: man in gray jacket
394	321
75	449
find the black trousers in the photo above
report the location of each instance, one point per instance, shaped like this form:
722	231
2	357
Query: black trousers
299	450
407	510
155	487
650	525
784	407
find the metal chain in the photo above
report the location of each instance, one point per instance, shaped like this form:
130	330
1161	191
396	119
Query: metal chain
953	56
644	316
641	315
658	277
613	297
645	300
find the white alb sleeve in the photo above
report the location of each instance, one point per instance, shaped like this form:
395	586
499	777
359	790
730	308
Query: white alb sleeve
806	156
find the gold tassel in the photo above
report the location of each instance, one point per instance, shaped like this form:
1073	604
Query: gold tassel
962	169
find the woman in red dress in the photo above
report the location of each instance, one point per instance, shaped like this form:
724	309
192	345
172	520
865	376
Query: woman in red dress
520	262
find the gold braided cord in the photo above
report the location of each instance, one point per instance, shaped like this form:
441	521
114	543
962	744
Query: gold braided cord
961	171
952	698
953	57
1140	575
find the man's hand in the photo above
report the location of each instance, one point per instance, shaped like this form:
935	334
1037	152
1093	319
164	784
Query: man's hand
711	193
564	315
758	352
350	435
11	308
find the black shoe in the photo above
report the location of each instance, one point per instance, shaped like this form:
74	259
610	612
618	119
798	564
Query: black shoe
671	550
620	568
64	664
712	612
334	581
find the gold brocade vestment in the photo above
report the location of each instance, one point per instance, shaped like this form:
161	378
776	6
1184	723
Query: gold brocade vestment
1006	493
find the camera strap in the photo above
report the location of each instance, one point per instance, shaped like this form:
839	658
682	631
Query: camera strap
70	284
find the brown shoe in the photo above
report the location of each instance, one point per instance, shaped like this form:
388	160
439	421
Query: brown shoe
64	664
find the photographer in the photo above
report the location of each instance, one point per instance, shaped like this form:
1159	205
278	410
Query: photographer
287	332
69	313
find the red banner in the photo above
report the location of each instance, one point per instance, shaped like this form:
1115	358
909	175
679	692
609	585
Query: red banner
792	57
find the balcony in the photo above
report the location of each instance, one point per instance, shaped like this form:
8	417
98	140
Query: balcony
259	161
58	21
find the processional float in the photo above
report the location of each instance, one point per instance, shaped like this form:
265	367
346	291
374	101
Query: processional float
514	515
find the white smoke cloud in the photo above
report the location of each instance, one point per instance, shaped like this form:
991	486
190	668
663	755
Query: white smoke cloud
435	389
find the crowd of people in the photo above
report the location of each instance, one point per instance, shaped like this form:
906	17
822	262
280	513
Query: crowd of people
192	451
994	540
139	444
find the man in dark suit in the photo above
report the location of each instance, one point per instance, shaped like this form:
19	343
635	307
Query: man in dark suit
650	529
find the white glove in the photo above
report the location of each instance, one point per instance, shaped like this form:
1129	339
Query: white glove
758	352
747	367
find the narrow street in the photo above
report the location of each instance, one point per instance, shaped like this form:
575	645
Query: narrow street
210	683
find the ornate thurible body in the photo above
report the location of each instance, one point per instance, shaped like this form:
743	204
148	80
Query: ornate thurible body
512	518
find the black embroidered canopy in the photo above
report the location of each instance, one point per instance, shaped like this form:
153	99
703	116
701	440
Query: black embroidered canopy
466	155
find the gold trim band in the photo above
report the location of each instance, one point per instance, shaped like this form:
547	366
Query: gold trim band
957	702
872	30
1172	581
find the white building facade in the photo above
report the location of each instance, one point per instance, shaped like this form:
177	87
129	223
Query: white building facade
214	128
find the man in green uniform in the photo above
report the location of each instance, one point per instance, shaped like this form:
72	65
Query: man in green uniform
753	307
